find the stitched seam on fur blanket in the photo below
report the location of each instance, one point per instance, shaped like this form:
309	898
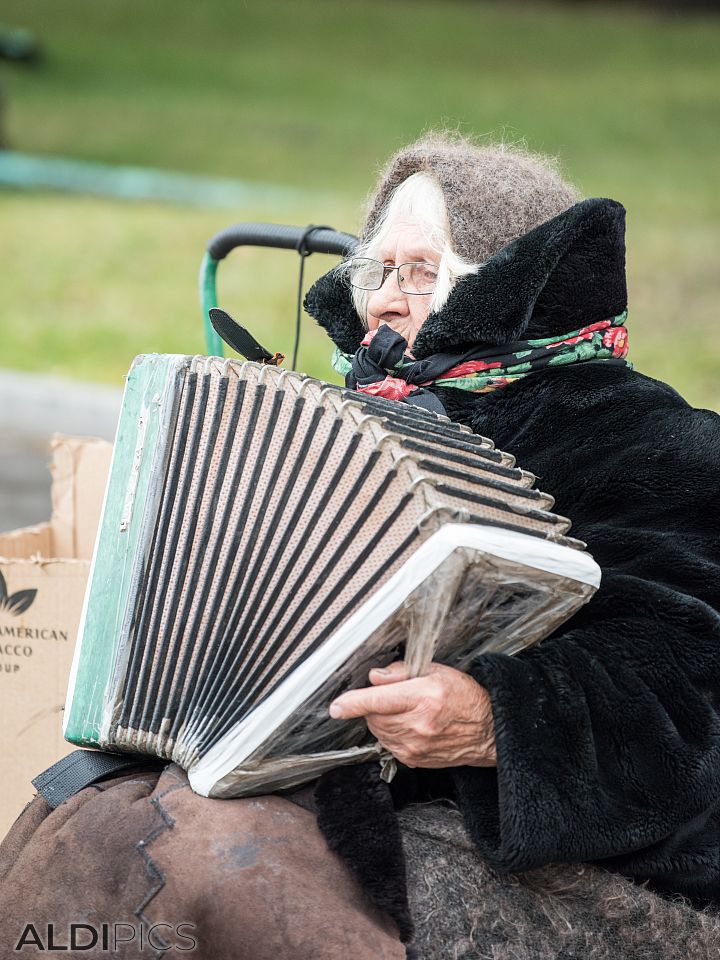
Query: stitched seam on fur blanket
152	868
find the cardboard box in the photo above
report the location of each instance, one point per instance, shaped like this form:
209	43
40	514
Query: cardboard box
43	572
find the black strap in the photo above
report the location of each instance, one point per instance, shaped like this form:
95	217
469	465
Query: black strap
81	768
304	251
240	339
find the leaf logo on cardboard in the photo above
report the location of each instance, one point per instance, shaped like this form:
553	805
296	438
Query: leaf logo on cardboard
15	603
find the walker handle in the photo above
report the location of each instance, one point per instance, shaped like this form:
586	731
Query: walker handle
321	240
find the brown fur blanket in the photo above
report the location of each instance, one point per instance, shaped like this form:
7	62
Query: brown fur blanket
464	910
162	872
254	880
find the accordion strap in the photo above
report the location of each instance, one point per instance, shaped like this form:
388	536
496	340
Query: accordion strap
80	769
240	339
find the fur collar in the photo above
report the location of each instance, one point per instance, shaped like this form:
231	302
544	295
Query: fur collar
566	273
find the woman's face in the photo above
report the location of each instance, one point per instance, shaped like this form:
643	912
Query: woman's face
402	312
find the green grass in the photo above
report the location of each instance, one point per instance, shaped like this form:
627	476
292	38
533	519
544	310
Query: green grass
316	94
102	281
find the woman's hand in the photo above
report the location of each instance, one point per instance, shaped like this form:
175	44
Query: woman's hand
443	719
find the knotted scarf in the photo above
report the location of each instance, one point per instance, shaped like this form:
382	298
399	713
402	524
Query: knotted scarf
381	367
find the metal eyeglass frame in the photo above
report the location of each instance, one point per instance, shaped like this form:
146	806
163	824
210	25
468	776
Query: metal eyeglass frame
388	270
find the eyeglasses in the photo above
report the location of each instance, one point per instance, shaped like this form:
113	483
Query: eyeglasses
413	278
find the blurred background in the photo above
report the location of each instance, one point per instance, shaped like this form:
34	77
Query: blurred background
283	112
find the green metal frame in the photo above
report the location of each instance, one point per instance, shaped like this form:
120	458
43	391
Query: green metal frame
208	299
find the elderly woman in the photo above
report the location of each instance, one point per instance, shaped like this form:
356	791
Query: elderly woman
487	291
534	791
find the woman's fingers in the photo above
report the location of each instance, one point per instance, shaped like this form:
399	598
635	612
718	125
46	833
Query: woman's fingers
442	719
390	674
391	698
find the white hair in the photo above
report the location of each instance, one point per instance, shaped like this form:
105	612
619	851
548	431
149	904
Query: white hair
419	198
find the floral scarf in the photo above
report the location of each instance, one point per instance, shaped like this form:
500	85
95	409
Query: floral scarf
381	368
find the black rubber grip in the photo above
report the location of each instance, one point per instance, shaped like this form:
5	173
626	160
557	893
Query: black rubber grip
322	240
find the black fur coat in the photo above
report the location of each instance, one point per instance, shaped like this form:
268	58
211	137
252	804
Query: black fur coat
608	732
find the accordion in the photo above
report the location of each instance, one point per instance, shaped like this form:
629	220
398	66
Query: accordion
266	538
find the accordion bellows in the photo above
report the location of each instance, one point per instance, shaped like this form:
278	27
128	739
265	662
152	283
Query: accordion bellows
267	538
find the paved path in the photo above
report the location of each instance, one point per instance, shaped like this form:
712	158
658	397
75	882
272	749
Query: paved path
32	408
